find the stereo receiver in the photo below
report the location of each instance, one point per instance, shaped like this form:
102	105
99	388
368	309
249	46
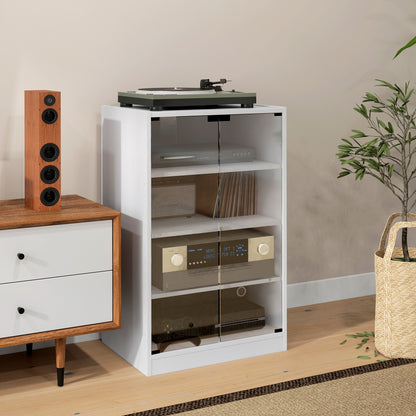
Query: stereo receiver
198	260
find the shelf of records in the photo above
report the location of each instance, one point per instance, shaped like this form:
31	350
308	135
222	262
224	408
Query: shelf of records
204	203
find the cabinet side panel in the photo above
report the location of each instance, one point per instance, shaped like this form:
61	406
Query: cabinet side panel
284	223
126	186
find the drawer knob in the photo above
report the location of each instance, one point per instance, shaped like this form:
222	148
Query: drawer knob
20	256
21	310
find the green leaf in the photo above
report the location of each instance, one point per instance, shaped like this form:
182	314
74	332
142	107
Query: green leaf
381	149
351	335
370	143
347	141
342	174
381	361
371	97
381	123
390	129
385	84
362	109
408	45
359	174
410	93
343	342
375	353
391	169
358	134
373	164
366	357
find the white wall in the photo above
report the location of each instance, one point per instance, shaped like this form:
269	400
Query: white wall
316	57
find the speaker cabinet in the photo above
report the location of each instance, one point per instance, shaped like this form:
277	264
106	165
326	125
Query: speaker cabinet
43	150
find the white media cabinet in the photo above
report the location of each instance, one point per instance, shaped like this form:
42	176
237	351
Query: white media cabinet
128	137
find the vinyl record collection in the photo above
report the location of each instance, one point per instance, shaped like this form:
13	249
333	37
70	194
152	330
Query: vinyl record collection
236	196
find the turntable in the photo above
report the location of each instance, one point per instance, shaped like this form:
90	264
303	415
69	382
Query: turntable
209	94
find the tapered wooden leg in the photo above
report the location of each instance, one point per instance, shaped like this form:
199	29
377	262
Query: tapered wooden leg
60	359
29	348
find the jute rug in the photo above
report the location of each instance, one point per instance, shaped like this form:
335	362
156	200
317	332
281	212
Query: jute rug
385	388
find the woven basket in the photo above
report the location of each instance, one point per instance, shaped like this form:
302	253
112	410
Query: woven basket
395	322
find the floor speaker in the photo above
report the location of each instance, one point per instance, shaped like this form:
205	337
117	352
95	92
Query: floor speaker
43	150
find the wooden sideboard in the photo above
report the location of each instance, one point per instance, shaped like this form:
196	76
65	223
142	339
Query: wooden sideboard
59	273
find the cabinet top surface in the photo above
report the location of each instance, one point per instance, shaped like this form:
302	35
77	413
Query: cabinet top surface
14	214
230	109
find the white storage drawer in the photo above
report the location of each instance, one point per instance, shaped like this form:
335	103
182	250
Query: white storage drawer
57	303
55	250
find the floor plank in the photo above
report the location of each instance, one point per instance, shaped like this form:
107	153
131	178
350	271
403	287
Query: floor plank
100	383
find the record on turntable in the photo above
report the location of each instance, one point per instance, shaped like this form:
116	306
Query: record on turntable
209	94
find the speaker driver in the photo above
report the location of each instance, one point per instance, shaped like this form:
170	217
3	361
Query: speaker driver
49	152
49	100
49	197
49	116
49	174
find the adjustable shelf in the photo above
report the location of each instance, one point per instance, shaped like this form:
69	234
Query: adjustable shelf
255	165
197	224
158	294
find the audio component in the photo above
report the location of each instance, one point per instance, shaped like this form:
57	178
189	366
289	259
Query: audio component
43	150
173	199
192	316
198	260
207	95
200	154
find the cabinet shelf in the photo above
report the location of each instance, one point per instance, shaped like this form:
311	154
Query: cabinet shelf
157	293
185	348
255	165
197	224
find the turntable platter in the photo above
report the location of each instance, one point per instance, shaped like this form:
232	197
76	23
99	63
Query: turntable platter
174	91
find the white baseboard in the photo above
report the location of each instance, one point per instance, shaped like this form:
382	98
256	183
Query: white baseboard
46	344
329	290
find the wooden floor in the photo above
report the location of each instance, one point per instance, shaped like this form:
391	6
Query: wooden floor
100	383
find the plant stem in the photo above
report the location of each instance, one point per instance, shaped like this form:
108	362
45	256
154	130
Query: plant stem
404	237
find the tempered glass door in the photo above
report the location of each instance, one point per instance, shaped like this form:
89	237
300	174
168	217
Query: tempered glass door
185	231
250	298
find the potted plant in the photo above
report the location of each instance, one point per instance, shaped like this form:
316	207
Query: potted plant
387	152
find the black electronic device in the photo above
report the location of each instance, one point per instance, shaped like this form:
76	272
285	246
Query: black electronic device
209	94
190	317
200	154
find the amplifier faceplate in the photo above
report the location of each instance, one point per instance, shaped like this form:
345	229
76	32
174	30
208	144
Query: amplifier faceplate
195	261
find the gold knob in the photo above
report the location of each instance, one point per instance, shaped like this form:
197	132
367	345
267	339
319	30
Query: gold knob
263	249
177	260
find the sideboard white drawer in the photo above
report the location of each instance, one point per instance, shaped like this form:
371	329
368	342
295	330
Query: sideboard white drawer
57	303
55	250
